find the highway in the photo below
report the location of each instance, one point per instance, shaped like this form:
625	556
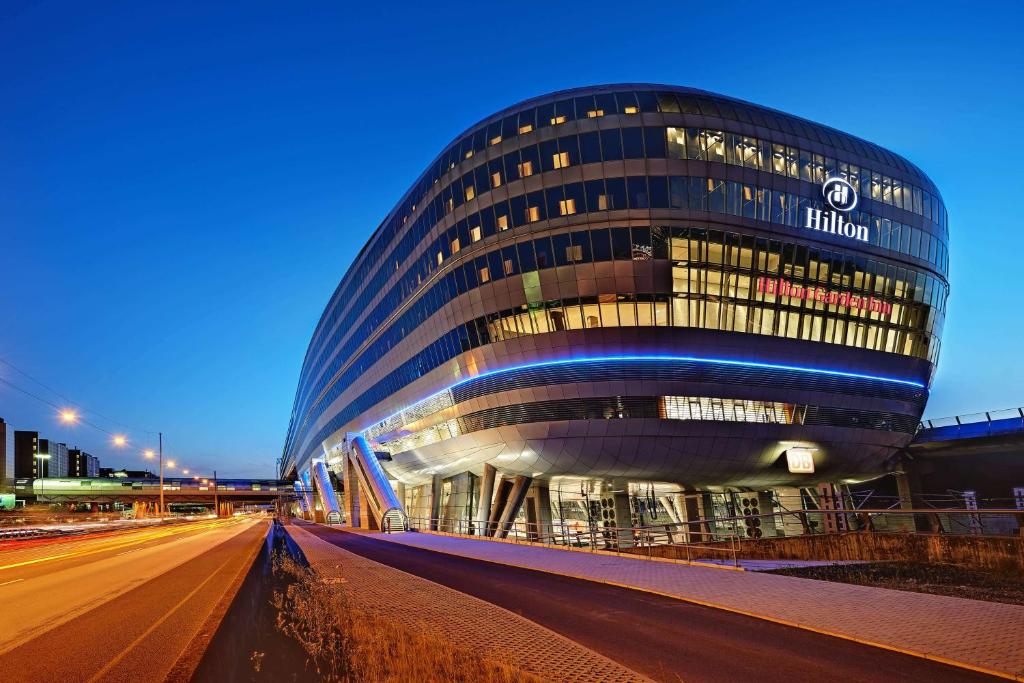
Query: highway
662	638
120	606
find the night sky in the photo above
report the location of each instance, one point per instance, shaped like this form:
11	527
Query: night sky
181	188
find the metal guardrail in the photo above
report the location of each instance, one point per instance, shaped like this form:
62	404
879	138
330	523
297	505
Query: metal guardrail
723	537
594	538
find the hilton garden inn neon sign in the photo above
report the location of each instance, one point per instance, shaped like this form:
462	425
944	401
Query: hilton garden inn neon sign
841	196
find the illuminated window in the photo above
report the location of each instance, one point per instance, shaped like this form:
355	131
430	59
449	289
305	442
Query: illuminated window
440	258
555	120
532	213
523	130
525	169
449	205
594	113
502	222
602	202
468	155
632	110
496	179
455	246
560	160
574	253
470	192
567	206
475	234
495	140
510	268
485	274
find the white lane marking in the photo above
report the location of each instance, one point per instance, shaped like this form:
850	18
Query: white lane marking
8	583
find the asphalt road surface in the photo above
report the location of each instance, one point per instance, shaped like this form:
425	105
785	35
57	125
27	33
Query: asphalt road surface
123	606
665	639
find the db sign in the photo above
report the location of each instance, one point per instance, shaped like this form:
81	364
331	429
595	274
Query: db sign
800	460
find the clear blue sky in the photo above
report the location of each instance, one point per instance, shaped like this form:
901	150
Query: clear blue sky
182	188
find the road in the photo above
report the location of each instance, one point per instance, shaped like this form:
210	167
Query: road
121	606
665	639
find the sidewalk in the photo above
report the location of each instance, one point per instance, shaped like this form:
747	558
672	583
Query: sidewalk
457	617
983	636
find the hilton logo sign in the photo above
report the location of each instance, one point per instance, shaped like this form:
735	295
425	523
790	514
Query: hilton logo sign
841	196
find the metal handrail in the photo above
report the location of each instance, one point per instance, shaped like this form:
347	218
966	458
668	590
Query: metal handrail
611	538
727	533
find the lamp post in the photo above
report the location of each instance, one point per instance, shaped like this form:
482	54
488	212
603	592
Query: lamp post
42	480
160	437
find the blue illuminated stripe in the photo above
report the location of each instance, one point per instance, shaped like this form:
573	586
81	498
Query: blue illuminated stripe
689	359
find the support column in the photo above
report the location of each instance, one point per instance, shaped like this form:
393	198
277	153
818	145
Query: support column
908	488
351	484
691	508
483	508
538	513
504	490
515	500
435	501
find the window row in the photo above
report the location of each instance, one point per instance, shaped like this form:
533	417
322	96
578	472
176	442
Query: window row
717	283
640	244
629	310
640	192
632	142
689	408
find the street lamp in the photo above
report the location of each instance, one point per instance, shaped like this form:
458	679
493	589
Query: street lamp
42	480
120	440
68	416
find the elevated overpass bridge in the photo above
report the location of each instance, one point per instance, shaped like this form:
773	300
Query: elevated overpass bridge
980	452
129	491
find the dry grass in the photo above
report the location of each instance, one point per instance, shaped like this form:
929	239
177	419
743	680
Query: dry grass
345	643
920	577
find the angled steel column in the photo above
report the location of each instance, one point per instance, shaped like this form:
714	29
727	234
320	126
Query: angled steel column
305	505
483	510
504	489
515	500
323	485
375	489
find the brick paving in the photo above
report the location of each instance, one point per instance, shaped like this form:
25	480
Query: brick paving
456	617
984	635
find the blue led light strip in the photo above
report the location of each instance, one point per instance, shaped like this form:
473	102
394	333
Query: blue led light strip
690	359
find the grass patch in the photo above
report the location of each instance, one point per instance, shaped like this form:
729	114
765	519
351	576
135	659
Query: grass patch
920	577
346	643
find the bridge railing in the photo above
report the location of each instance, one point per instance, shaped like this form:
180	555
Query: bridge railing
993	421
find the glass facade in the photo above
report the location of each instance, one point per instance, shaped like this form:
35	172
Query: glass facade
721	208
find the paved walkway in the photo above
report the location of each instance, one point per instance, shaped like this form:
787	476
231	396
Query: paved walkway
456	617
984	636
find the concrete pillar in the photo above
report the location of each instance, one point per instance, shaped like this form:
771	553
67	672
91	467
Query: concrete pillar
351	484
538	512
483	507
516	496
908	488
435	500
692	509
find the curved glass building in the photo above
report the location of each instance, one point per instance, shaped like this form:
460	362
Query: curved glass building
636	283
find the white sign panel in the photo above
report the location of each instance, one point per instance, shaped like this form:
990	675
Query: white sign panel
800	460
